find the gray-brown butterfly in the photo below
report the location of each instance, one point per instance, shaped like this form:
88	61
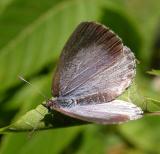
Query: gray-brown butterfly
94	69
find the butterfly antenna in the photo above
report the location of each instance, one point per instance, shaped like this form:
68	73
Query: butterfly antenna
39	92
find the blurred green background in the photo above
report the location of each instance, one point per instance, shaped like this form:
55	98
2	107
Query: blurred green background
32	34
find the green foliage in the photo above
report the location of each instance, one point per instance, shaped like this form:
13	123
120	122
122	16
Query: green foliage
154	72
32	36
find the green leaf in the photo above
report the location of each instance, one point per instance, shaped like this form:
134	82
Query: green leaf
143	133
147	15
28	97
126	28
30	121
40	118
92	144
43	142
154	72
151	100
42	37
9	28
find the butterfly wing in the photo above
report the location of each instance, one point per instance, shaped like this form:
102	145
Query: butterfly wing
113	112
91	49
109	83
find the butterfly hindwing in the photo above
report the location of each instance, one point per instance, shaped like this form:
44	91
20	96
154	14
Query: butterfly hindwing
113	112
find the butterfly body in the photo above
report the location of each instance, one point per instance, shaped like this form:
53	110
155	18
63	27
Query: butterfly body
60	103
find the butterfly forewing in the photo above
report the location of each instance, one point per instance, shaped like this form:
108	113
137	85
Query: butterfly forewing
90	49
109	83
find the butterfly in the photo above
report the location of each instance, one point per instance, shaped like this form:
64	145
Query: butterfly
94	69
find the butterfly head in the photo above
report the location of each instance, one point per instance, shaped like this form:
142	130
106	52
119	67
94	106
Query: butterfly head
56	103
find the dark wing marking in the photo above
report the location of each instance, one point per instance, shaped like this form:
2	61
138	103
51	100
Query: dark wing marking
91	49
114	112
